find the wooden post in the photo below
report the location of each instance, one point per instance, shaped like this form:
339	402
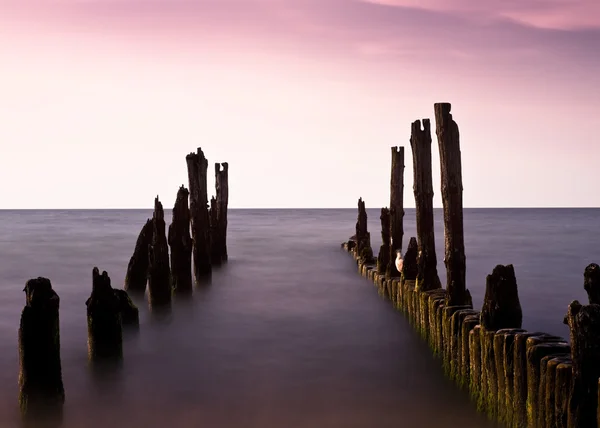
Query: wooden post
364	251
105	332
420	142
222	187
396	208
159	278
591	282
41	390
584	327
501	306
451	176
130	314
215	238
137	270
180	242
383	258
409	265
197	166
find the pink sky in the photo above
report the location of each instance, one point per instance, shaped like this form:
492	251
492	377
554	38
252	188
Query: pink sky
101	100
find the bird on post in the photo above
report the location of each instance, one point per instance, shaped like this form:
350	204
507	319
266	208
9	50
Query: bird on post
399	261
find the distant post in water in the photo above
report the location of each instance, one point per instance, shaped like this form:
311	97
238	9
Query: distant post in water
396	208
197	166
41	390
159	278
364	251
452	189
180	242
420	143
136	279
222	188
105	330
215	236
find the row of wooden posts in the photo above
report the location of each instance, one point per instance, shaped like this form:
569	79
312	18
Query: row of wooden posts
109	310
519	378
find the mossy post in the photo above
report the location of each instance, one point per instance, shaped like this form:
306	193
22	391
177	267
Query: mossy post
504	345
452	189
197	166
137	270
105	333
468	324
584	328
222	196
396	208
41	390
420	143
383	258
180	241
501	310
549	418
159	277
562	391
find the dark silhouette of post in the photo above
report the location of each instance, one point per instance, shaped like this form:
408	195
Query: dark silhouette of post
222	196
180	242
420	143
363	237
159	278
197	166
41	390
396	208
215	233
384	251
137	270
591	282
105	328
452	188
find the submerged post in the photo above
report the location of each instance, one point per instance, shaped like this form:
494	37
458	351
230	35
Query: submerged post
396	208
180	241
105	333
41	390
197	166
159	278
452	188
584	327
137	270
384	251
222	188
420	142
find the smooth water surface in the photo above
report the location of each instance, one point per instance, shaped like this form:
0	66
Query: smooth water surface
288	334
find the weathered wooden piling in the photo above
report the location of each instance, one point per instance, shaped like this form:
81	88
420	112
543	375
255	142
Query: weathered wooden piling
222	196
180	241
197	166
562	391
363	249
383	258
548	419
105	334
409	265
584	330
130	314
159	277
396	208
215	239
41	390
591	282
452	188
420	142
137	270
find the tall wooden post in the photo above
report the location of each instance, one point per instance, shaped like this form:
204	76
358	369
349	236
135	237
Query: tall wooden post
180	241
222	188
420	143
159	272
396	208
197	166
451	176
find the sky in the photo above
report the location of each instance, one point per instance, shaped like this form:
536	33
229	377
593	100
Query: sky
101	100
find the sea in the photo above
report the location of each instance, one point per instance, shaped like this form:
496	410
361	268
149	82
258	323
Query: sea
287	333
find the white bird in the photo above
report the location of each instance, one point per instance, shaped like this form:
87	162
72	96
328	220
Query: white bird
399	261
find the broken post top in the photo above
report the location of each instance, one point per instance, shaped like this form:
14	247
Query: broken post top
425	129
501	306
182	193
100	283
39	294
224	165
591	282
159	213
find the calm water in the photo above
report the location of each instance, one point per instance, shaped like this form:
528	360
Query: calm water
288	334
